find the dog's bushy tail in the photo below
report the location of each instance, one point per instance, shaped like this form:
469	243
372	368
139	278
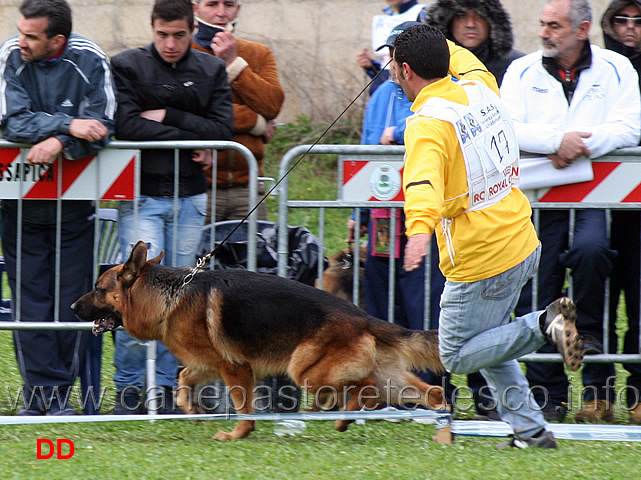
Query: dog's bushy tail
417	348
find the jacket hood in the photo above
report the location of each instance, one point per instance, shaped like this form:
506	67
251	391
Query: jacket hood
501	40
609	36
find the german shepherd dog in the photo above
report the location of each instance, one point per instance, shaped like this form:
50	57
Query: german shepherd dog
241	326
338	278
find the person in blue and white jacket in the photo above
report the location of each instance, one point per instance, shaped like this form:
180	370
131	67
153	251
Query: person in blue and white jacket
568	101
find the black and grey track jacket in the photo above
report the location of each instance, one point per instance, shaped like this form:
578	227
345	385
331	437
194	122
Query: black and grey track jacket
38	100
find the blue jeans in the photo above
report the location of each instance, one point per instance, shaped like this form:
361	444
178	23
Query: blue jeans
155	227
476	333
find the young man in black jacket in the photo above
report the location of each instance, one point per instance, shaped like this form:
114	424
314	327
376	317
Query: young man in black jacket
166	91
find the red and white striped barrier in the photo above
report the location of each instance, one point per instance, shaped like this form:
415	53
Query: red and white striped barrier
108	175
372	181
614	182
380	180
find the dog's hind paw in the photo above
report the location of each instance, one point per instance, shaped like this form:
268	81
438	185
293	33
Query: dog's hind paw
342	425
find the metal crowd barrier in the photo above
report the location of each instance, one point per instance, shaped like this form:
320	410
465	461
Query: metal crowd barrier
392	153
598	197
366	152
92	178
614	188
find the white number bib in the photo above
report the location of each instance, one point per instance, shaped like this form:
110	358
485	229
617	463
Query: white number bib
488	141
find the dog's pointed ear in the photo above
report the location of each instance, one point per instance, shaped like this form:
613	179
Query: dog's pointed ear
158	258
131	269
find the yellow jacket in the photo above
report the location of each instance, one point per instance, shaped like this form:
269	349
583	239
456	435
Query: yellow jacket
486	242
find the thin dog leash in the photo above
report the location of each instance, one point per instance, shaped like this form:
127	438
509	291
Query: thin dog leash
203	260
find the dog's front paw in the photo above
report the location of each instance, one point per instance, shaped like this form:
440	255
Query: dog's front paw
243	428
222	436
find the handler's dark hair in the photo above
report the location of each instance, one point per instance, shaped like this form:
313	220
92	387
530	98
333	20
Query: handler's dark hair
425	49
57	11
171	10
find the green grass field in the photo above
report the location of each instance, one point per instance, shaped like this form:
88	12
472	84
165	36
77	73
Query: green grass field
184	449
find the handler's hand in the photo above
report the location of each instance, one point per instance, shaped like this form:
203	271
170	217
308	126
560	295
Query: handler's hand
415	251
88	129
44	152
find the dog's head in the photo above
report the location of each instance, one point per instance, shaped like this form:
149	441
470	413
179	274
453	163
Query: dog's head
106	303
344	258
339	277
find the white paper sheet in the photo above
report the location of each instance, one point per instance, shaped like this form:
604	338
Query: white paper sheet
538	172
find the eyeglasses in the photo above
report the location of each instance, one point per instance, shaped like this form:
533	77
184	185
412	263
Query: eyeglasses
623	20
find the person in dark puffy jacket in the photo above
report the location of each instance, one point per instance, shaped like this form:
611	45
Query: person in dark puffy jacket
483	27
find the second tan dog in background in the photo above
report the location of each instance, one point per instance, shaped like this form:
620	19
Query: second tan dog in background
338	278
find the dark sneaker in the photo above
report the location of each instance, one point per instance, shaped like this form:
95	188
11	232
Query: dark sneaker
559	327
128	402
489	414
35	406
543	439
58	411
555	413
167	404
29	412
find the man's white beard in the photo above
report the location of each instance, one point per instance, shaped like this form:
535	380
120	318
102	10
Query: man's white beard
550	51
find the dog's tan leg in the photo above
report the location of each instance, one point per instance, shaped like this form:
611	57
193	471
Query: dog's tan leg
187	379
431	396
362	396
324	401
240	380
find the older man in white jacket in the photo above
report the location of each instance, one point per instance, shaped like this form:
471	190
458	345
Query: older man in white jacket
572	101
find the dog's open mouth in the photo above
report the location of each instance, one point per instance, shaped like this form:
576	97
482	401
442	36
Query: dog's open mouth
102	325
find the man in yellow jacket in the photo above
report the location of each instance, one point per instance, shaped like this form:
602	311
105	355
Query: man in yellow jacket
460	177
